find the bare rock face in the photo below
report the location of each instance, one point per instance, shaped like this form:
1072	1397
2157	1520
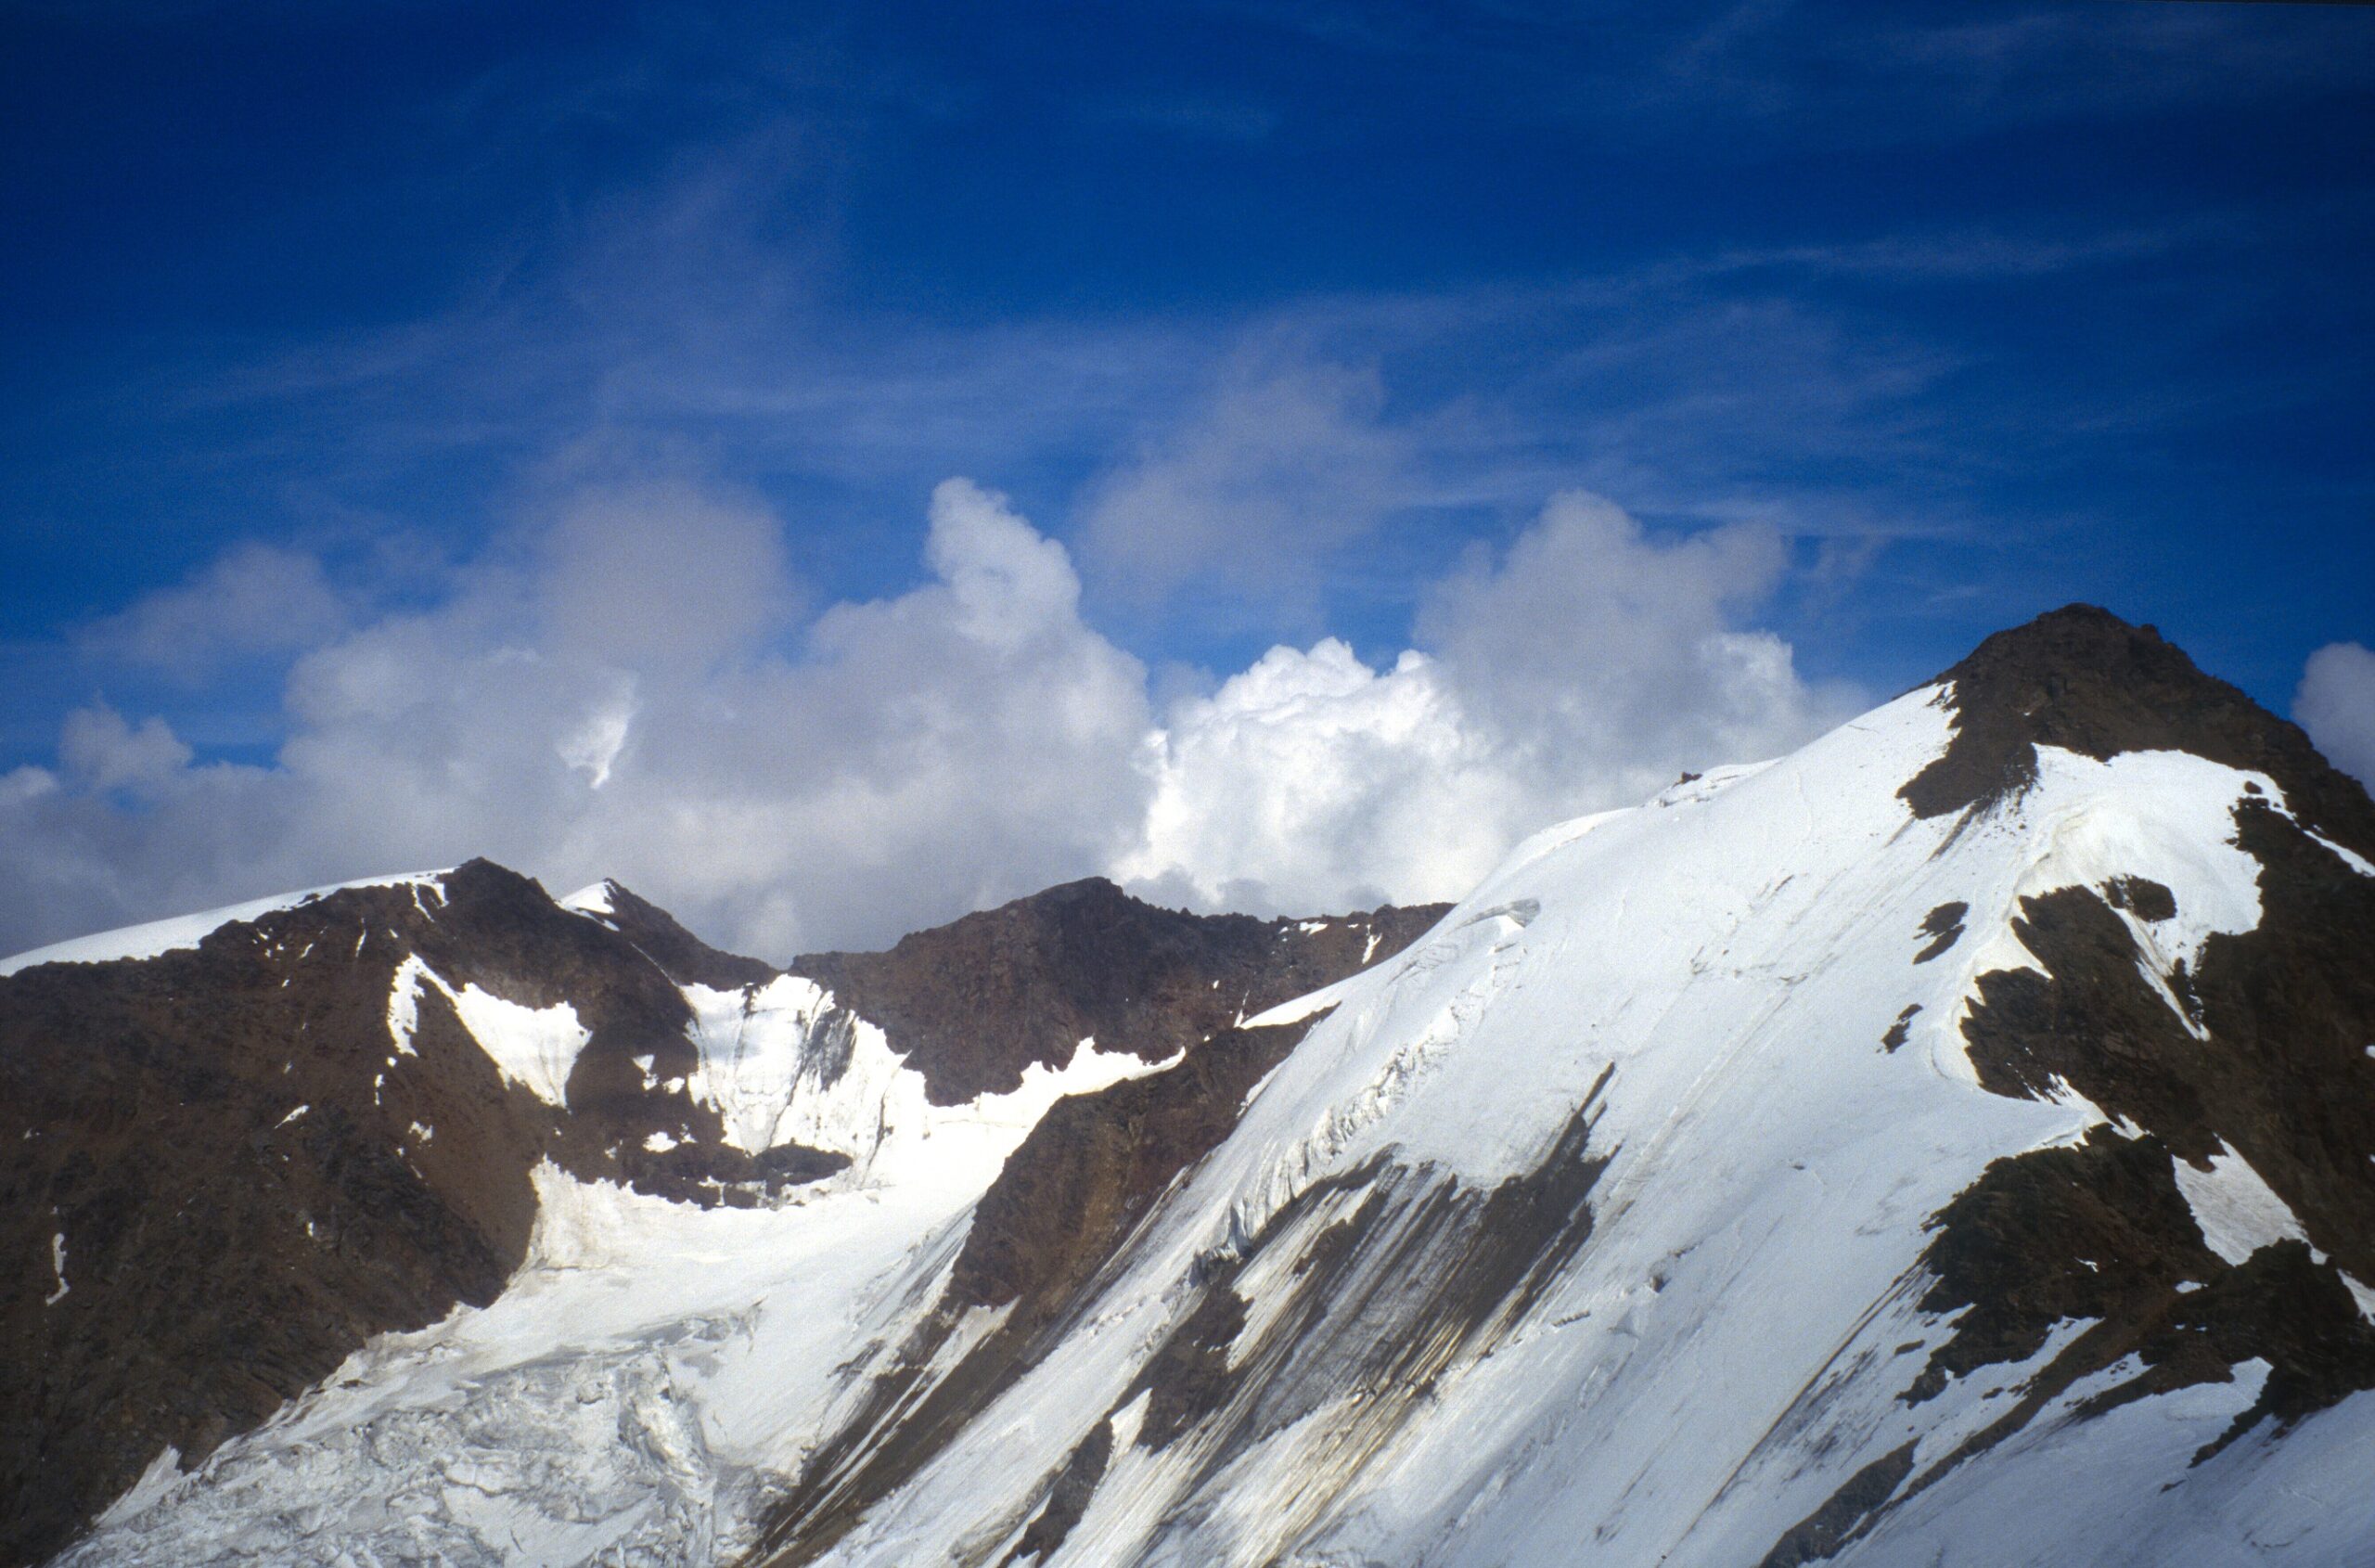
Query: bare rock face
2083	680
2265	1060
2265	1057
222	1169
973	1003
1455	1231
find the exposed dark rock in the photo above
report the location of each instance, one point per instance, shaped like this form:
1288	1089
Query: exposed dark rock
2147	899
1079	960
2098	1230
1082	1180
1943	926
2263	1053
2082	679
1068	1498
2279	1305
1419	1277
971	1004
1825	1530
1418	1274
1189	1378
2100	1233
1065	1203
2279	1071
682	956
1898	1031
225	1250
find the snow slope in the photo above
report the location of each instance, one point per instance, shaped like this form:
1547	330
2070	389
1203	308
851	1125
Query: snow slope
653	1363
186	930
1591	1227
1728	1349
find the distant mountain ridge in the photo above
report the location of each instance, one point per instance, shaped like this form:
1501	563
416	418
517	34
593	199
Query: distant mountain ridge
1952	1143
235	1162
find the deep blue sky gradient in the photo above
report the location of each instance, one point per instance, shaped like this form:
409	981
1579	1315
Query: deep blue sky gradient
1988	307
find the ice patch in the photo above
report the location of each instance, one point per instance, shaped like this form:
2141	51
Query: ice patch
535	1048
2239	1213
58	1267
2168	816
404	1005
595	900
151	1489
186	932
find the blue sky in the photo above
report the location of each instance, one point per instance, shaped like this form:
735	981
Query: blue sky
1283	319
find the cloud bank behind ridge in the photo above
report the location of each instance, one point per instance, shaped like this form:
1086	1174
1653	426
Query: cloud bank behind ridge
630	691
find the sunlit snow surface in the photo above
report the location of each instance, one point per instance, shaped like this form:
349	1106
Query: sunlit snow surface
186	931
625	1398
1724	1352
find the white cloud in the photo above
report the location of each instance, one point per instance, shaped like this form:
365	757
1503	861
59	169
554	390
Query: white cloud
1283	466
2336	705
624	696
1312	781
1600	653
1584	669
620	699
661	576
254	600
98	748
1010	584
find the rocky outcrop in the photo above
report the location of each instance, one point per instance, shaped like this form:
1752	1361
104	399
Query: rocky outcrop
223	1168
1080	960
971	1004
2257	1054
2083	680
1792	1170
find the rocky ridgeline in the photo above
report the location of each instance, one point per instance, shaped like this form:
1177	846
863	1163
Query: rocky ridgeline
223	1168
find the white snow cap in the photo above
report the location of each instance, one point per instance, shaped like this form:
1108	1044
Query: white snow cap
186	932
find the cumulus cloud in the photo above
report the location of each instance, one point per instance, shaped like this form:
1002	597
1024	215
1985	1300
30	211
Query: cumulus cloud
99	750
661	576
1600	653
255	599
1284	465
1312	781
627	693
621	699
2336	705
1584	668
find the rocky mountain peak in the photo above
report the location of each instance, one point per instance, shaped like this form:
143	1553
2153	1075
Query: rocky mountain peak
1842	1169
228	1163
2082	679
973	1003
656	933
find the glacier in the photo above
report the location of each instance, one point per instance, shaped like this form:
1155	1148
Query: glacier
1670	1081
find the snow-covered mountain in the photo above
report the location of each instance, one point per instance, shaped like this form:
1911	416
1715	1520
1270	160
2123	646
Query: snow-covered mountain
1953	1143
248	1153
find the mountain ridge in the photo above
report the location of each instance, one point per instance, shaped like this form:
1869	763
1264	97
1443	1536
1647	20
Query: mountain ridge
388	1204
1949	1142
